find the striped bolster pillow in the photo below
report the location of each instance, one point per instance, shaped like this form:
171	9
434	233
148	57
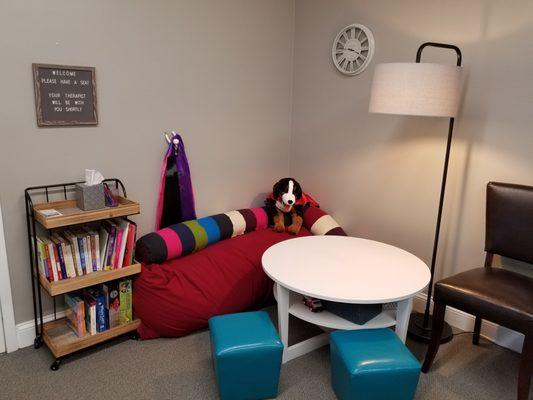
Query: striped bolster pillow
320	223
190	236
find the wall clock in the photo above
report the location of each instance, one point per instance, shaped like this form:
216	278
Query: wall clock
353	49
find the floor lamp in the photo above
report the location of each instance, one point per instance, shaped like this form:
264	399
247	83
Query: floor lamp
423	89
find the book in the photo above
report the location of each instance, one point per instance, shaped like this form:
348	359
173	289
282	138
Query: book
104	237
65	256
62	269
48	260
130	245
88	253
41	257
124	226
75	251
90	313
83	252
69	259
112	229
50	254
97	297
118	245
112	303
125	306
75	314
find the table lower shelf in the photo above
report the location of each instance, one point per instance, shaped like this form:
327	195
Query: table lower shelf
325	319
61	339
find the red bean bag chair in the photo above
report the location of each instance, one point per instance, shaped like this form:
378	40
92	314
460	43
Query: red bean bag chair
178	295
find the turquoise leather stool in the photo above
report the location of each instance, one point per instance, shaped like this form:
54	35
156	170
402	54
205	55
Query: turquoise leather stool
247	355
372	364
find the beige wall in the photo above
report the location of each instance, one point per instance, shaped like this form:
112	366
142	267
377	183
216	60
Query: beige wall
380	174
219	72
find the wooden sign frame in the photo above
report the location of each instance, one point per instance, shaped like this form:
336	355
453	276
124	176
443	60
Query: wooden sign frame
41	121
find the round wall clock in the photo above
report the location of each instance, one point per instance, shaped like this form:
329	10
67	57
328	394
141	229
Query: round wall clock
353	49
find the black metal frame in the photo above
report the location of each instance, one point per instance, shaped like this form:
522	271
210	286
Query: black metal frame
420	327
32	246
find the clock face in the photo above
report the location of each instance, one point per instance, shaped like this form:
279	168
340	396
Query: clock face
353	49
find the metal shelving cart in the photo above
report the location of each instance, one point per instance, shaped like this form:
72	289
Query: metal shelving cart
57	336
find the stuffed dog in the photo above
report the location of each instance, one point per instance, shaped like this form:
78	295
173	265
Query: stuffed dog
288	199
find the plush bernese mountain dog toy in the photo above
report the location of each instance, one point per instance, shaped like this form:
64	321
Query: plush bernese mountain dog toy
286	205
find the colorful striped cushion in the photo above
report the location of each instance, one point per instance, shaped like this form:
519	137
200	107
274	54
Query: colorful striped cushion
190	236
318	222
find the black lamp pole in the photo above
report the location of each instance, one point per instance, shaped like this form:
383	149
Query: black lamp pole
420	324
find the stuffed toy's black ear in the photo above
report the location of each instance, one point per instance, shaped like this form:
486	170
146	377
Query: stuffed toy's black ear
277	189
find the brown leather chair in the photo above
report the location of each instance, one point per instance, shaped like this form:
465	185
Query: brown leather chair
496	294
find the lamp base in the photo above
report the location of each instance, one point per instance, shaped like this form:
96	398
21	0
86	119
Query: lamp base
418	332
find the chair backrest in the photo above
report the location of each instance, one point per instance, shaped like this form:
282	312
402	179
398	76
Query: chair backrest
509	221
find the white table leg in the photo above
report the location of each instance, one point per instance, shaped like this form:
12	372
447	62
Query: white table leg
403	314
282	295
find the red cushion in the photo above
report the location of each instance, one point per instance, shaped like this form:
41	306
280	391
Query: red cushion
179	296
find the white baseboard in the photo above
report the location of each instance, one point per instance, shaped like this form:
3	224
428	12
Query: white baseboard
456	318
464	321
26	330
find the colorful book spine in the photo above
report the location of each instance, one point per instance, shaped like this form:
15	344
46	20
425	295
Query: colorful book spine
118	245
81	246
69	259
104	238
41	256
62	263
130	246
75	313
112	302
125	298
48	261
51	256
97	298
110	245
90	313
88	257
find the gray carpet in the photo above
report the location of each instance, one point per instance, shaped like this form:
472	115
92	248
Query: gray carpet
181	369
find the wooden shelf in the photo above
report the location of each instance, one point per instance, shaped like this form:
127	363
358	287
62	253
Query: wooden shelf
61	339
80	282
325	319
72	215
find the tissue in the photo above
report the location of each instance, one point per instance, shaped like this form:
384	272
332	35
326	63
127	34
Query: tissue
93	177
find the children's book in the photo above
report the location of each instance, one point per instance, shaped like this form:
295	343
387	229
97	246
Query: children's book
75	313
75	251
125	308
130	245
124	227
103	238
50	253
112	302
112	230
90	313
96	295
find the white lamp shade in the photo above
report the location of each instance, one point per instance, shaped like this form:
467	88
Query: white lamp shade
425	89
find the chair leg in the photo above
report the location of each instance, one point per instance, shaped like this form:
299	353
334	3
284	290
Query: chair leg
526	368
439	309
477	330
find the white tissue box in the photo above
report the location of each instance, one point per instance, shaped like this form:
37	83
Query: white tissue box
90	197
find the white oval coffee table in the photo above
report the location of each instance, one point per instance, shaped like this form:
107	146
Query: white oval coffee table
342	269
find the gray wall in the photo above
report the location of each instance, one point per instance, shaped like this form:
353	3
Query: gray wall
380	174
219	72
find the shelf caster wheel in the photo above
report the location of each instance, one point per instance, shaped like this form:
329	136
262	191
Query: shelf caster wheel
134	335
55	365
38	342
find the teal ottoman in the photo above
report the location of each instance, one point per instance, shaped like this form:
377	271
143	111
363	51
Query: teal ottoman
372	364
247	355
